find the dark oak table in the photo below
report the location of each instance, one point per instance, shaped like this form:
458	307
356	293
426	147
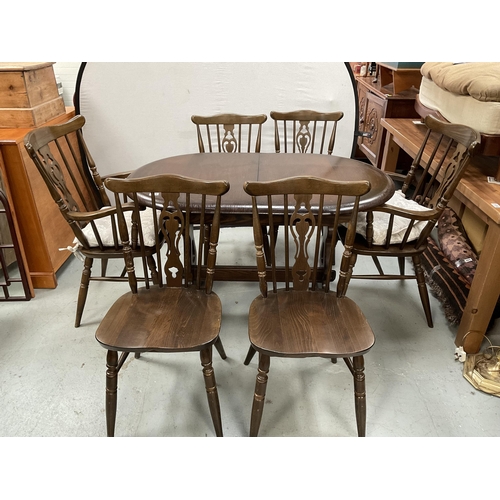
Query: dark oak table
237	168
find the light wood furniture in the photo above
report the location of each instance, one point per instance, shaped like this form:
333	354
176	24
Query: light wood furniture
375	102
42	229
483	199
305	131
65	164
180	313
28	95
301	317
401	78
400	229
236	208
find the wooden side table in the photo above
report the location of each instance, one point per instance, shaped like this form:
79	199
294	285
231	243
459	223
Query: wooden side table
483	199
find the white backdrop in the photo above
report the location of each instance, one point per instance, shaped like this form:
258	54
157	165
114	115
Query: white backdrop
139	112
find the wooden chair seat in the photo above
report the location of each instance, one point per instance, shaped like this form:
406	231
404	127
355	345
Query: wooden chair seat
138	323
306	324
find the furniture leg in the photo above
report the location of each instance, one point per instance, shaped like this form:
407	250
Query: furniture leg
260	394
390	154
483	294
220	348
211	387
84	288
111	391
250	355
360	394
422	289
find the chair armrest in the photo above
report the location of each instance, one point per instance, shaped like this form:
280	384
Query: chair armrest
117	175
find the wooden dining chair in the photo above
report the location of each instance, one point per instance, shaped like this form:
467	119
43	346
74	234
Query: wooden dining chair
400	228
61	156
229	133
180	313
305	131
302	317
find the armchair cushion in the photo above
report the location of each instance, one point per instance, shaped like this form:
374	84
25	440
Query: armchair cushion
106	233
400	225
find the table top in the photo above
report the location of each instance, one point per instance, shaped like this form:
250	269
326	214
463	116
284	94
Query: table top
238	168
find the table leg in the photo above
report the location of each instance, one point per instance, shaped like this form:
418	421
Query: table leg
483	295
390	154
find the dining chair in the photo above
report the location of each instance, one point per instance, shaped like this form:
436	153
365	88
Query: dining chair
303	317
400	228
305	131
229	133
63	160
180	312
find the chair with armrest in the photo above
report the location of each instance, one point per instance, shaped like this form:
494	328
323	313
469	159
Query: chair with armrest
229	133
401	226
180	313
303	318
305	131
61	156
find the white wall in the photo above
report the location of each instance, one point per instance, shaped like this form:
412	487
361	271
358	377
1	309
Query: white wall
67	73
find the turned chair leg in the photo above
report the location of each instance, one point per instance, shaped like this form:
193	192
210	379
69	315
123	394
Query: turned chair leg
359	394
84	288
111	391
260	394
422	289
211	387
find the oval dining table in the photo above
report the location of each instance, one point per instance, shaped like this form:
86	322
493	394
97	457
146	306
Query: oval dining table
237	168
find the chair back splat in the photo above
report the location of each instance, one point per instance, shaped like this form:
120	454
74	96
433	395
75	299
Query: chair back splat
177	203
295	315
305	131
229	133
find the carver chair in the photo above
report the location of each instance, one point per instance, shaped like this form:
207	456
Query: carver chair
401	226
65	164
180	313
305	131
302	317
229	133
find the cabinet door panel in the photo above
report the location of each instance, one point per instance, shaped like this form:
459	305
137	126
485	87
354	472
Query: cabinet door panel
374	111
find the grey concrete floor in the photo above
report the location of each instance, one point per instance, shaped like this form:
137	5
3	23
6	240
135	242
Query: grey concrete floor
52	375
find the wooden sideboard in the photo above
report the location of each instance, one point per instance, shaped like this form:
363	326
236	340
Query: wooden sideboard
482	198
376	102
42	228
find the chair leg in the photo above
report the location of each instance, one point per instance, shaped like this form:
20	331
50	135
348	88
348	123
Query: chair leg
359	394
84	288
111	391
422	289
104	267
401	262
220	348
250	355
377	265
211	387
259	395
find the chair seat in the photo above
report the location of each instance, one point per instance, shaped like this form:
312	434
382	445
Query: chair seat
161	319
305	323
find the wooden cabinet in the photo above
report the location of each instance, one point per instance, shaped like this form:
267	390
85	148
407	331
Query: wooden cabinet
42	228
376	102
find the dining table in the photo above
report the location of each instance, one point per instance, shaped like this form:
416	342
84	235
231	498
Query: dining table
237	168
